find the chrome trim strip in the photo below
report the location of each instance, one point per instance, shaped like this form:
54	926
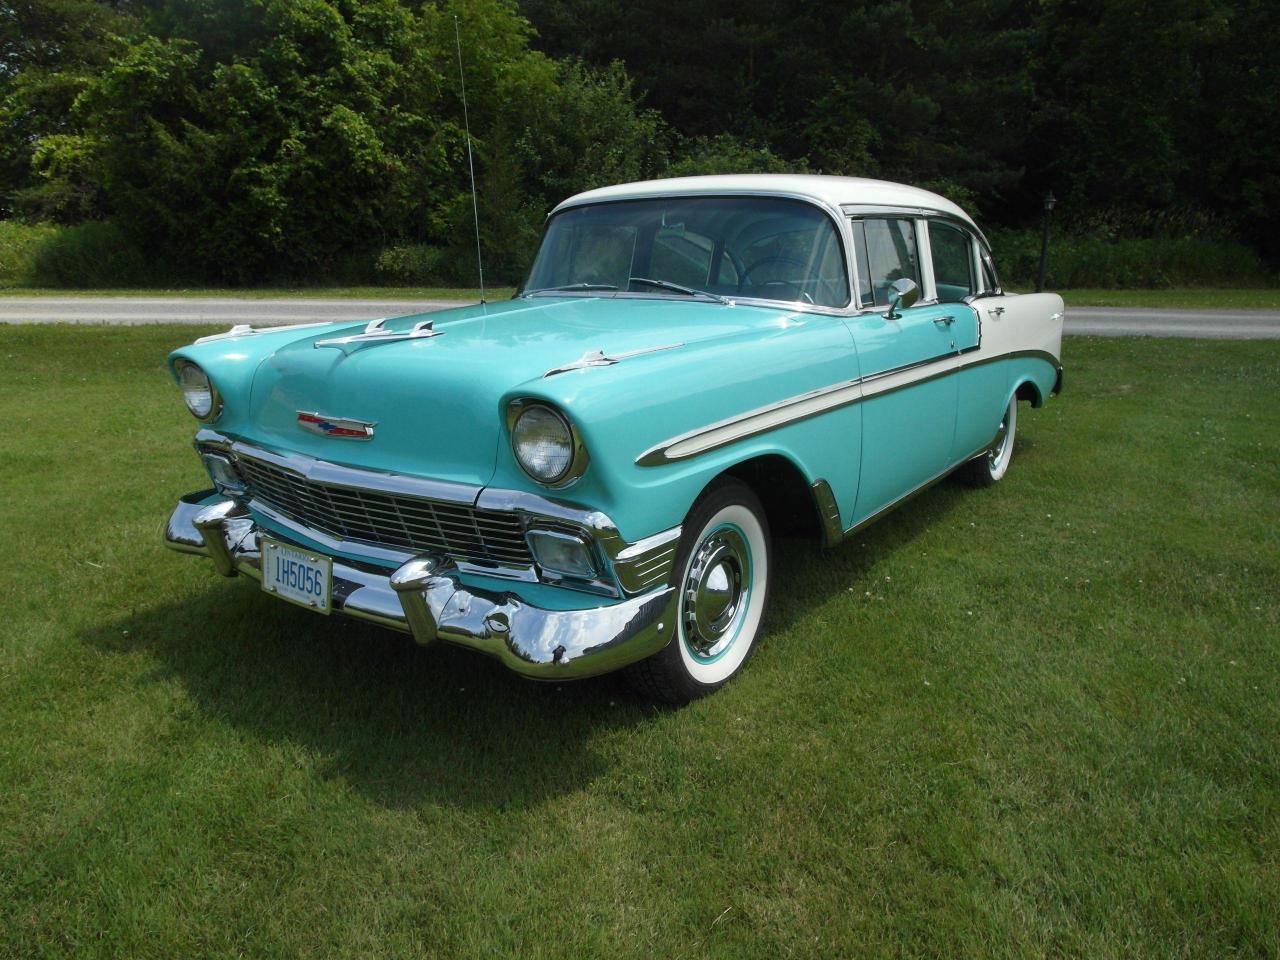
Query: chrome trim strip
828	512
375	332
805	405
598	358
914	492
838	219
424	597
859	210
647	563
632	572
245	330
325	471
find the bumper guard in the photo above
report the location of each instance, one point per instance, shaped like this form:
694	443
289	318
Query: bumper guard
425	597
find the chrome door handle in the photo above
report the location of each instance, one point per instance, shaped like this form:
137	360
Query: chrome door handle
948	320
996	311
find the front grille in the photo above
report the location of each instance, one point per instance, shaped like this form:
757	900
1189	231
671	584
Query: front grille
392	520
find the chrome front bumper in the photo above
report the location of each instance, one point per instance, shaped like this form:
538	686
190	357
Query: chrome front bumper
426	598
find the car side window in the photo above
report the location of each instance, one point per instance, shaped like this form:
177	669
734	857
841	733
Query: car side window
990	282
952	254
885	251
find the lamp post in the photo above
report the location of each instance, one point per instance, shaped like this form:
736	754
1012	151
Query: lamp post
1049	201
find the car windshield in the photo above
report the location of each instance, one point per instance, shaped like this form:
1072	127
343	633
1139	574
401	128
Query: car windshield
765	248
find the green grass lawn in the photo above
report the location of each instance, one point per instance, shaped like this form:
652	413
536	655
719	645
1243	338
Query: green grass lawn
1181	298
1036	720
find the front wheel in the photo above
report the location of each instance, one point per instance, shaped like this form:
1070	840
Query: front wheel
722	577
989	467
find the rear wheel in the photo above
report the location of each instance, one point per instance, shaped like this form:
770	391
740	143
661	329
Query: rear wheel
722	577
987	468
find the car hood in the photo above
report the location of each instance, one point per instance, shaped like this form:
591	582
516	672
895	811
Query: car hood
437	402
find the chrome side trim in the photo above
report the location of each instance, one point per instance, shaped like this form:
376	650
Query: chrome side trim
647	563
828	512
598	358
914	492
805	405
753	422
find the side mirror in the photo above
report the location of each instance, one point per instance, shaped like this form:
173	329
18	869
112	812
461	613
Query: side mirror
903	293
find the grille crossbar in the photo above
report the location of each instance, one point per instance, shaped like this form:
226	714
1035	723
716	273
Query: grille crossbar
390	520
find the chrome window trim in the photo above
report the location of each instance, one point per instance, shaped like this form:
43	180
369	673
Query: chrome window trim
813	403
860	210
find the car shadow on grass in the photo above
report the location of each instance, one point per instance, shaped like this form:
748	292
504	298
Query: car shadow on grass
407	725
400	723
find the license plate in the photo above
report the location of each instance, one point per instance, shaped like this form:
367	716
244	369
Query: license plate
299	576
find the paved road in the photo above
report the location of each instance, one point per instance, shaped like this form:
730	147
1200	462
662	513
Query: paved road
1214	324
139	311
1094	321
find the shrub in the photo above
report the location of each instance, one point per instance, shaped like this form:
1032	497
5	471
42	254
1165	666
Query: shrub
1108	262
410	265
19	245
88	255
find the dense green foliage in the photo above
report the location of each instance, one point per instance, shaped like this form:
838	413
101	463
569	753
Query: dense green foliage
255	139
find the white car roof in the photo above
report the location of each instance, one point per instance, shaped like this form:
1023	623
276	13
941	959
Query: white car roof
831	191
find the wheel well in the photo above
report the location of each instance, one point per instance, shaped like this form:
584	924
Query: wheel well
783	491
1028	391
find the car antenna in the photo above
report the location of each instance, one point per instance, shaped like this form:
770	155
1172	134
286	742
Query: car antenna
466	125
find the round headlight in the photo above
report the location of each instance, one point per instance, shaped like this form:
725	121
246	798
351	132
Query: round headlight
197	390
543	444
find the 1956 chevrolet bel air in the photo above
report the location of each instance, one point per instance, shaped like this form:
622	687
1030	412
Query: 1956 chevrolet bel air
586	477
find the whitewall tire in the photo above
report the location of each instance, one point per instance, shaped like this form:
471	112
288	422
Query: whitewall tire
721	574
990	466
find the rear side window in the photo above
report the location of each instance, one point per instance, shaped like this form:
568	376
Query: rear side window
990	282
952	254
885	252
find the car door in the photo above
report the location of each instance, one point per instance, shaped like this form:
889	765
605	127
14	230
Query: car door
908	410
981	387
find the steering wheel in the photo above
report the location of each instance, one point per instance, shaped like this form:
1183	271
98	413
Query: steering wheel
744	278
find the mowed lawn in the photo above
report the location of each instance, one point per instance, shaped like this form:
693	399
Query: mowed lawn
1036	720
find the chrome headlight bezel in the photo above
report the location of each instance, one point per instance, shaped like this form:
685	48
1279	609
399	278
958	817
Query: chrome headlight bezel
576	460
180	370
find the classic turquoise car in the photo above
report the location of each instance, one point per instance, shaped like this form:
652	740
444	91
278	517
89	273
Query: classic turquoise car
589	476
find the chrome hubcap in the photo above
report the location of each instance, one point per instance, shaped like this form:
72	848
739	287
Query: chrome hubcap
714	592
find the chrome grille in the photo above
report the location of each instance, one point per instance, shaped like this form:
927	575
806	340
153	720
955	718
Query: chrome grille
390	520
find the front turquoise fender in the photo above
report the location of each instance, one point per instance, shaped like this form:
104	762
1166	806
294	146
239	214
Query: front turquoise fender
623	410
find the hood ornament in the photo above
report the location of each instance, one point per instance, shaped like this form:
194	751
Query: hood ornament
375	332
598	358
340	428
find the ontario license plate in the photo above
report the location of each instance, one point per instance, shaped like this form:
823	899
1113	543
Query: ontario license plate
297	575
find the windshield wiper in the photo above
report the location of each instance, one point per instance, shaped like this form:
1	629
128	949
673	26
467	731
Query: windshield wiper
572	287
678	288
